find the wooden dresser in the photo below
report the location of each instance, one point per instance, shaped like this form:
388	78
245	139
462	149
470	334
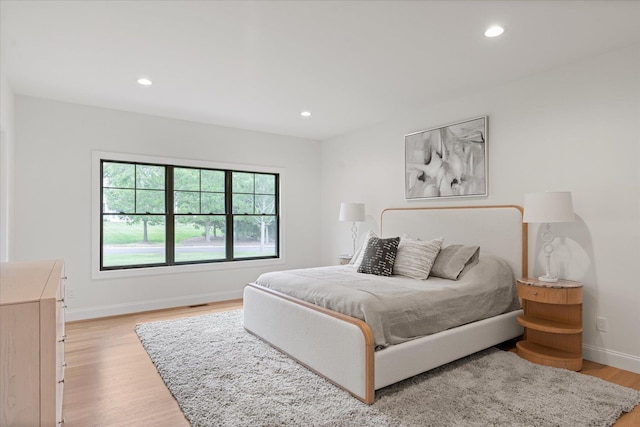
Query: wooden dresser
553	323
31	343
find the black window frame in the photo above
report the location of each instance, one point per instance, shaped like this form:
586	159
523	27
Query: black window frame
170	215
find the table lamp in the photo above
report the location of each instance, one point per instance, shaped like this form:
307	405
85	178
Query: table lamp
545	208
353	212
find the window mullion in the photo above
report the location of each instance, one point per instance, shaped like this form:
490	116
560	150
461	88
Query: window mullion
101	214
170	241
200	192
228	195
276	211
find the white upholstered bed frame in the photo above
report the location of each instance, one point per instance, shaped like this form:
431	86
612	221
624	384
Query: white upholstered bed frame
341	348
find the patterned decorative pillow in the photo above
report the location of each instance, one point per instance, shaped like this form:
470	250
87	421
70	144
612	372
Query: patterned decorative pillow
359	255
416	257
379	256
455	260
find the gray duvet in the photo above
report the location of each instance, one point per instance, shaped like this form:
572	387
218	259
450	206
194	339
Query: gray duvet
398	308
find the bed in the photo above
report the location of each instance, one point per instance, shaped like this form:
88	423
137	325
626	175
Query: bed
343	348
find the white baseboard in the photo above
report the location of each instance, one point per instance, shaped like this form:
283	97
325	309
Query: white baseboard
628	362
72	314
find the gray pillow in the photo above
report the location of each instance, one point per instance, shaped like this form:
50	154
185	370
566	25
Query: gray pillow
379	256
454	261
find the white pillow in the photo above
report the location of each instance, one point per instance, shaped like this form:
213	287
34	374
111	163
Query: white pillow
359	255
416	257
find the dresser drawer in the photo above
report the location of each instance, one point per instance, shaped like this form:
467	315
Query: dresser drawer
539	294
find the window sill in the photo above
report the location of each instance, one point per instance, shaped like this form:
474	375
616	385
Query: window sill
180	269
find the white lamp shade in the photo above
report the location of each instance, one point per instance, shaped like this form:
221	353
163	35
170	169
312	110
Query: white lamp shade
353	212
550	206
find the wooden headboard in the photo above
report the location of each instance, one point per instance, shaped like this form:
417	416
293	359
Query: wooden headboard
498	230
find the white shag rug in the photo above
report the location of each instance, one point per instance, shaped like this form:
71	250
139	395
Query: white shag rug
223	376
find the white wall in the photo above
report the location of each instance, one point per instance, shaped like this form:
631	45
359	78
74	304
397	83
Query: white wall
52	209
6	164
575	128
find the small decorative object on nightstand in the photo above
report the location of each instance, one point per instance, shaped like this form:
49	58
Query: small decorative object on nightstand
553	323
344	259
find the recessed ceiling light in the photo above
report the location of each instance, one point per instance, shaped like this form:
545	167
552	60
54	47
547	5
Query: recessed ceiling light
306	114
145	82
494	31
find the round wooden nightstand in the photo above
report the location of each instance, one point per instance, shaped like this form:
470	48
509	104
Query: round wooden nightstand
553	323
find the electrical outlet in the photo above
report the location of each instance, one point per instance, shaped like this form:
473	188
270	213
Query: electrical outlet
601	324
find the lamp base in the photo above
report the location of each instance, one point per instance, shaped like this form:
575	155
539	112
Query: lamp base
549	279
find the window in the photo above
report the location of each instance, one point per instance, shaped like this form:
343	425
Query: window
199	220
253	208
163	215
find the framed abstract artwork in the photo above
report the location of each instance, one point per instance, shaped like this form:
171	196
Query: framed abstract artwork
447	161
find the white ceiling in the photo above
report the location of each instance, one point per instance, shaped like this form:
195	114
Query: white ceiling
258	64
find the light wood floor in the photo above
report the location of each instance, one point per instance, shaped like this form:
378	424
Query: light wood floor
110	380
